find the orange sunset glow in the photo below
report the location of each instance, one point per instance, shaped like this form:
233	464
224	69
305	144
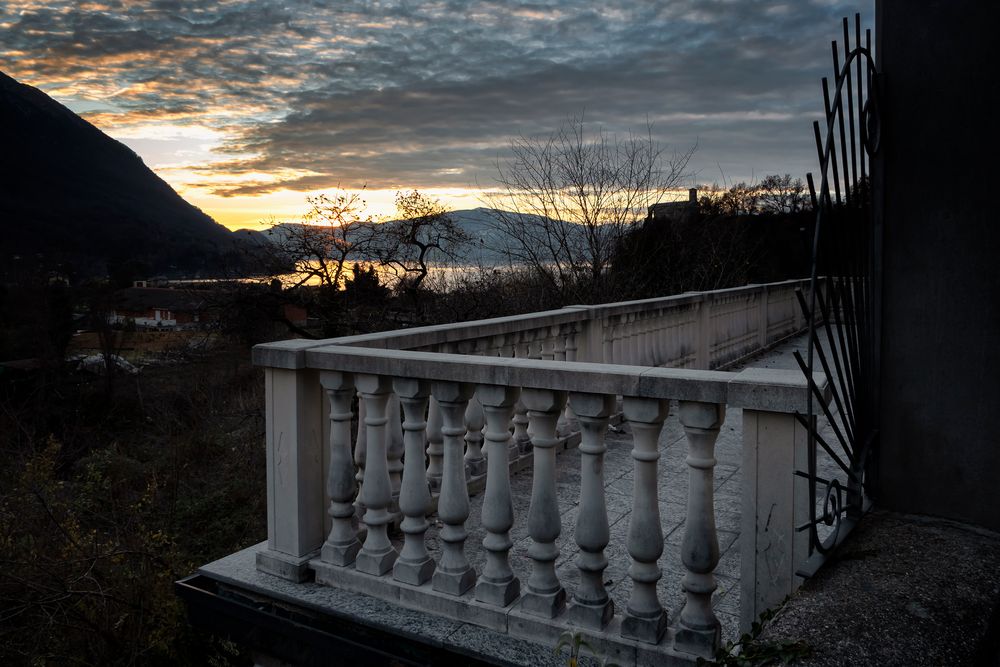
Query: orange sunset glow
247	109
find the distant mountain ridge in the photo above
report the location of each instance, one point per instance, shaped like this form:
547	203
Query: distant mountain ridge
71	193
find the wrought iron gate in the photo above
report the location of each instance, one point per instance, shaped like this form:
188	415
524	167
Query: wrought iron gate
841	306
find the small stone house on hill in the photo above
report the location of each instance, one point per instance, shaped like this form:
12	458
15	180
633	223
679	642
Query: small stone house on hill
156	307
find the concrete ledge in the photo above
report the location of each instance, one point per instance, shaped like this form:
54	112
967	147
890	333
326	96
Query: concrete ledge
902	590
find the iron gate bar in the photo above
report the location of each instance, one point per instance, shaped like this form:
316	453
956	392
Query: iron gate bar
843	250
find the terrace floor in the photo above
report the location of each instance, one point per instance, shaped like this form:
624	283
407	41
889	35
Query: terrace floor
238	569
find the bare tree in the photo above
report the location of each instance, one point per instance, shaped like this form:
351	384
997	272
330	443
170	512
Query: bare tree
312	259
781	194
774	193
318	250
565	202
425	233
740	199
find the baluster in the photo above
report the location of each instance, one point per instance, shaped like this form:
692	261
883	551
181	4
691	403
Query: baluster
642	340
607	341
546	346
415	565
554	349
666	330
536	344
617	341
558	343
377	554
522	344
475	464
435	445
522	441
360	455
497	584
591	606
698	631
454	575
653	339
635	340
508	346
626	340
342	544
663	339
571	343
394	451
645	619
544	596
497	346
628	337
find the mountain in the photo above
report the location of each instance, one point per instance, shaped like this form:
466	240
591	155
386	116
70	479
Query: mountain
73	194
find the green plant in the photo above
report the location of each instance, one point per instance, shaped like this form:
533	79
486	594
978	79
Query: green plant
749	651
575	641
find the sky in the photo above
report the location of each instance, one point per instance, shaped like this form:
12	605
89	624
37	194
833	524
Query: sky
248	107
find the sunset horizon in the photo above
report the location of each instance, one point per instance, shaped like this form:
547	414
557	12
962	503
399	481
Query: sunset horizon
249	109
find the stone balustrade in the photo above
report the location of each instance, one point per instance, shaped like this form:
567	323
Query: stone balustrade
706	330
438	406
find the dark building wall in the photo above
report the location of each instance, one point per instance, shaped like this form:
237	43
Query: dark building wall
940	448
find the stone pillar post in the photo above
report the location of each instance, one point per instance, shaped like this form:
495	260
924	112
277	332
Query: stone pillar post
295	506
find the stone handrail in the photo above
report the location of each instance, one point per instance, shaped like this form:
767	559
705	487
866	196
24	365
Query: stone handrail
691	330
512	387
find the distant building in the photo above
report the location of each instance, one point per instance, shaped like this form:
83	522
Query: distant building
675	211
170	308
159	308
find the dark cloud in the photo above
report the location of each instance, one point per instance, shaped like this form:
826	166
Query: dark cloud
428	93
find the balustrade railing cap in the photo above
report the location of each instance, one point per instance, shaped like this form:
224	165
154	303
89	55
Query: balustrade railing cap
683	384
287	354
773	390
291	354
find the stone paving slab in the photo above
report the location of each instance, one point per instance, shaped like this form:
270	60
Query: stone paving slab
902	590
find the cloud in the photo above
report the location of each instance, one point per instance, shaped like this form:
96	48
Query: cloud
314	93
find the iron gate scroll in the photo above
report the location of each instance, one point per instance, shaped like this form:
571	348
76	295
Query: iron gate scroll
841	310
